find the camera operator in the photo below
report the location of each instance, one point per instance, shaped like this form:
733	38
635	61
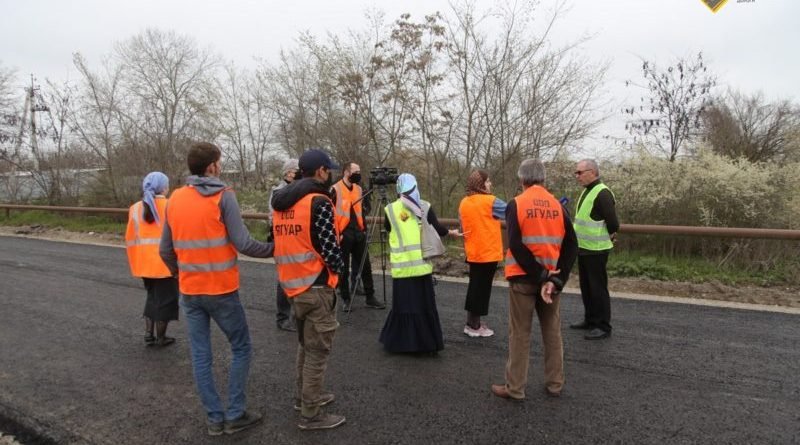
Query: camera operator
349	216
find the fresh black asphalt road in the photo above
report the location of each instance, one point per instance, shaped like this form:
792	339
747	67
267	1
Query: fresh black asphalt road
74	367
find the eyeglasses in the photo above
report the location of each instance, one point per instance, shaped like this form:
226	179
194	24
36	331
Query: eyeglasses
580	172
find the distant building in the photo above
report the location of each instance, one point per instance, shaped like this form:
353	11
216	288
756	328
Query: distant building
25	186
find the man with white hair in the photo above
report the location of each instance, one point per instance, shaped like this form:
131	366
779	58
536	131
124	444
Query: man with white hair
596	226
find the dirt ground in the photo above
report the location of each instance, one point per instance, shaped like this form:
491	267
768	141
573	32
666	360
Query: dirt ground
713	290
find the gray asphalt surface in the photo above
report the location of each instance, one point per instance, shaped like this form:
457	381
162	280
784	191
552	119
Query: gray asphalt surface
73	366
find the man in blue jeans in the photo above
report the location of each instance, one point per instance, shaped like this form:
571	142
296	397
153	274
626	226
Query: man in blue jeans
202	234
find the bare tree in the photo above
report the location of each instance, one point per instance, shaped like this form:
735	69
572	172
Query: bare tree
295	96
9	114
169	84
750	127
677	97
246	124
98	121
519	96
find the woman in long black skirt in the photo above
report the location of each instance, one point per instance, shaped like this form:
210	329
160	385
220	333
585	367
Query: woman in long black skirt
480	214
145	222
412	324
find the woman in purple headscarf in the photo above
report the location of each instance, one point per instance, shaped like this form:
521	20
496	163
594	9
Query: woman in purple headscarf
413	324
142	237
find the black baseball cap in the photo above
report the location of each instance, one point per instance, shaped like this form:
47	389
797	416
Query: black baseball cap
314	158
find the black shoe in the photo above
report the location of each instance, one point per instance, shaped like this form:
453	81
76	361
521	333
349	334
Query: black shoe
164	341
597	334
287	326
347	305
374	303
215	429
245	421
149	339
582	326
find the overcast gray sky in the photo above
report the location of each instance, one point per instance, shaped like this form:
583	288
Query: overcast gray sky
750	44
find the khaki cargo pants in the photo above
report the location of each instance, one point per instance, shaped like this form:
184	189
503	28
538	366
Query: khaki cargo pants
315	311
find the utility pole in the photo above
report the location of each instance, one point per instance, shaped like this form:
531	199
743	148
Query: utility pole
32	106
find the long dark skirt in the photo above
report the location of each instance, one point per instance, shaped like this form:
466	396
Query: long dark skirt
413	323
479	290
162	299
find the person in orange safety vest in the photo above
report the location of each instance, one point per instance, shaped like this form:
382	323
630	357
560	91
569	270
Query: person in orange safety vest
542	248
350	203
479	214
142	236
309	263
202	237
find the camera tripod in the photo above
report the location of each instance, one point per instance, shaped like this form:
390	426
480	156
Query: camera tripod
372	226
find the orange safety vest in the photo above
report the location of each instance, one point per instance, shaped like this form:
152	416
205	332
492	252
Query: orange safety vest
541	224
141	242
207	261
344	201
483	241
298	263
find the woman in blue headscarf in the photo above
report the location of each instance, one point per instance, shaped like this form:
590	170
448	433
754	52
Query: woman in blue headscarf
413	323
142	237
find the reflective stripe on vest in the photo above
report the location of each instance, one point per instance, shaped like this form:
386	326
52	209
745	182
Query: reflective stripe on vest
298	263
405	243
207	260
142	240
592	235
344	201
541	226
483	241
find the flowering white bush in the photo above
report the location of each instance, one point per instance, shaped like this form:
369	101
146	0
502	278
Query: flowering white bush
708	190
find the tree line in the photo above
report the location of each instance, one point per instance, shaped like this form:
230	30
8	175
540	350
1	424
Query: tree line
436	96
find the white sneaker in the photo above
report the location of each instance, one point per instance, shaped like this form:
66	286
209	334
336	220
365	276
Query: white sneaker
472	332
484	331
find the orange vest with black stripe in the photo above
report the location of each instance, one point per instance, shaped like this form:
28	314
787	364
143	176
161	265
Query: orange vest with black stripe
207	261
345	199
141	242
541	224
483	241
298	263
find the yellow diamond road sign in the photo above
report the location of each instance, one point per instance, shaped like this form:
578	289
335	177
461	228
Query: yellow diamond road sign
714	5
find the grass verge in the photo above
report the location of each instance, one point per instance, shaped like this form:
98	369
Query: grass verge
696	270
70	222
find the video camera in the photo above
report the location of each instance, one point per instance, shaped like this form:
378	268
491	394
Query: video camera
383	176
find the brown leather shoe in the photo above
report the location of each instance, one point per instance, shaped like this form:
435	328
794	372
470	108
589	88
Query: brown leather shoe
502	392
552	393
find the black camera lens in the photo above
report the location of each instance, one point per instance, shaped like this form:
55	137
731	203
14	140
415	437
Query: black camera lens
383	176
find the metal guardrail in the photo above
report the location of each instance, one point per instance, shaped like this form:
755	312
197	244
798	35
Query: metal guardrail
715	232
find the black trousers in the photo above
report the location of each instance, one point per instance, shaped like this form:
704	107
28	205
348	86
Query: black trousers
354	247
594	290
479	290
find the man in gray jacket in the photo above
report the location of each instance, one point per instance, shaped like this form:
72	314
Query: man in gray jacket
203	231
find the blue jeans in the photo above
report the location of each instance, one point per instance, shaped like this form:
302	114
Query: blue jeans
228	313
